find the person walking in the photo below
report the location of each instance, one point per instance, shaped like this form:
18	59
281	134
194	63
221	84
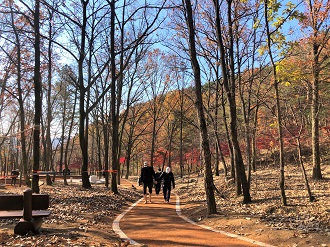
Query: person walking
147	177
168	178
158	185
14	175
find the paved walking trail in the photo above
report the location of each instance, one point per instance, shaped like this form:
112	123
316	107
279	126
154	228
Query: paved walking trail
161	224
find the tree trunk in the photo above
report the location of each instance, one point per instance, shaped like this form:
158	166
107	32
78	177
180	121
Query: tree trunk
254	144
229	141
229	86
317	174
278	108
66	153
62	140
83	137
38	101
310	196
181	130
21	105
114	115
48	149
106	146
208	176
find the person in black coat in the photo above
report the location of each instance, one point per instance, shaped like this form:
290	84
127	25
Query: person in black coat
168	178
14	175
158	185
147	177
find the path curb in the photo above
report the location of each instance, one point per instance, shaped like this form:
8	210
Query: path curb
116	228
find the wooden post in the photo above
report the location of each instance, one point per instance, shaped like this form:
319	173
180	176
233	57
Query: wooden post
27	202
25	225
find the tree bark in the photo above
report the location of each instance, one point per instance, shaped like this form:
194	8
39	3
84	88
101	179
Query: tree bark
114	115
21	103
317	174
48	147
38	100
278	108
83	137
229	86
208	176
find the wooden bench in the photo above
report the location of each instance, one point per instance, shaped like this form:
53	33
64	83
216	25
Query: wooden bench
31	208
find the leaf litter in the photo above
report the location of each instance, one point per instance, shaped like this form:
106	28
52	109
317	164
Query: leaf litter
300	223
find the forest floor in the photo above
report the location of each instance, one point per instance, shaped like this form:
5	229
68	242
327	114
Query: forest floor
301	223
83	217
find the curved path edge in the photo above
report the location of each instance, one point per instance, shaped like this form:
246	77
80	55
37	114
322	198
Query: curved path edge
178	211
123	236
116	228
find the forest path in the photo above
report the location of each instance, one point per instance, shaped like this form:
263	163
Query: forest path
161	224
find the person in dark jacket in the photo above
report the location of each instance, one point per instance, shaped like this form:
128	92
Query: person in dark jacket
168	178
14	175
158	185
147	177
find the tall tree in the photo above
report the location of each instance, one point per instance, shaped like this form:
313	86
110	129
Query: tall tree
269	15
208	177
278	106
83	136
48	154
22	70
275	39
228	73
38	99
157	85
316	19
67	113
115	100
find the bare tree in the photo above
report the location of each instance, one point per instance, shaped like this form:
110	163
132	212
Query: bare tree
16	57
278	107
49	97
228	73
208	177
316	18
38	99
67	96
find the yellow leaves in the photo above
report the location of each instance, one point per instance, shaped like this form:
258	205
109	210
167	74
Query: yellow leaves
287	83
274	125
257	24
278	22
289	71
262	50
279	67
274	5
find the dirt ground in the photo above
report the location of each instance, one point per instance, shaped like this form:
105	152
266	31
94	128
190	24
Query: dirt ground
79	217
84	217
301	223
